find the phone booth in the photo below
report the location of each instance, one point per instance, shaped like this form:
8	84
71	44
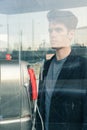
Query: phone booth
17	95
18	91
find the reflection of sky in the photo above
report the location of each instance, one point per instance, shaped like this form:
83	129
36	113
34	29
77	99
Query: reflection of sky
81	14
20	27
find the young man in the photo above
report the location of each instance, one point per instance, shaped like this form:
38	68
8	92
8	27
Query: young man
62	99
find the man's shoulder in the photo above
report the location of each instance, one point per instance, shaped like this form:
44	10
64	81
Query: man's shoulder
78	56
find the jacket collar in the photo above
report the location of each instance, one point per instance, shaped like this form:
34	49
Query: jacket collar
67	68
67	65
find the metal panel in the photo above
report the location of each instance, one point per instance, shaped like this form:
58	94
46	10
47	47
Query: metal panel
15	103
10	90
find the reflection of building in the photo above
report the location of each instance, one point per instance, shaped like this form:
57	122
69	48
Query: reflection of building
81	36
3	46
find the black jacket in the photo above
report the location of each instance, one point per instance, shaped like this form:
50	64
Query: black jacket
68	109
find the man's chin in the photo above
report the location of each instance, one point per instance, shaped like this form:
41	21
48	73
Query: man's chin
56	48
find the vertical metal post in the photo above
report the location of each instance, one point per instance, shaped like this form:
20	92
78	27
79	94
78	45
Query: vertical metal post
32	33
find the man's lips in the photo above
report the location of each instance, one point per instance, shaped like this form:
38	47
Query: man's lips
53	40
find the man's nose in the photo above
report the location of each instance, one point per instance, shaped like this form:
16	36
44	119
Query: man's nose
53	32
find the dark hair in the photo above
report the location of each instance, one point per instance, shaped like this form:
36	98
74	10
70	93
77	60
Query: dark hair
65	17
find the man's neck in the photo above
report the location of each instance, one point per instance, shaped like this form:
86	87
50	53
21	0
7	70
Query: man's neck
62	53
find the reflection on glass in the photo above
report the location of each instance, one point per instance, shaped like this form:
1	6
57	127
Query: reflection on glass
28	33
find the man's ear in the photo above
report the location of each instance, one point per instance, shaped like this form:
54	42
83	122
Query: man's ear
71	34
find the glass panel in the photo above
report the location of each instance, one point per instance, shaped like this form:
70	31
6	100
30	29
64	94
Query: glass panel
25	37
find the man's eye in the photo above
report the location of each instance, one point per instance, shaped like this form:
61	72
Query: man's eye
58	29
50	30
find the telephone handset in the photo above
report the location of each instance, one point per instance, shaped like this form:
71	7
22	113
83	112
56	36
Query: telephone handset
33	83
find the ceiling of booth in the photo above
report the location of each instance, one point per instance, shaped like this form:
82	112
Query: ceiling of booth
23	6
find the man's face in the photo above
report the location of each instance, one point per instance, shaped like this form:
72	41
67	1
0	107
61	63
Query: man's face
60	36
